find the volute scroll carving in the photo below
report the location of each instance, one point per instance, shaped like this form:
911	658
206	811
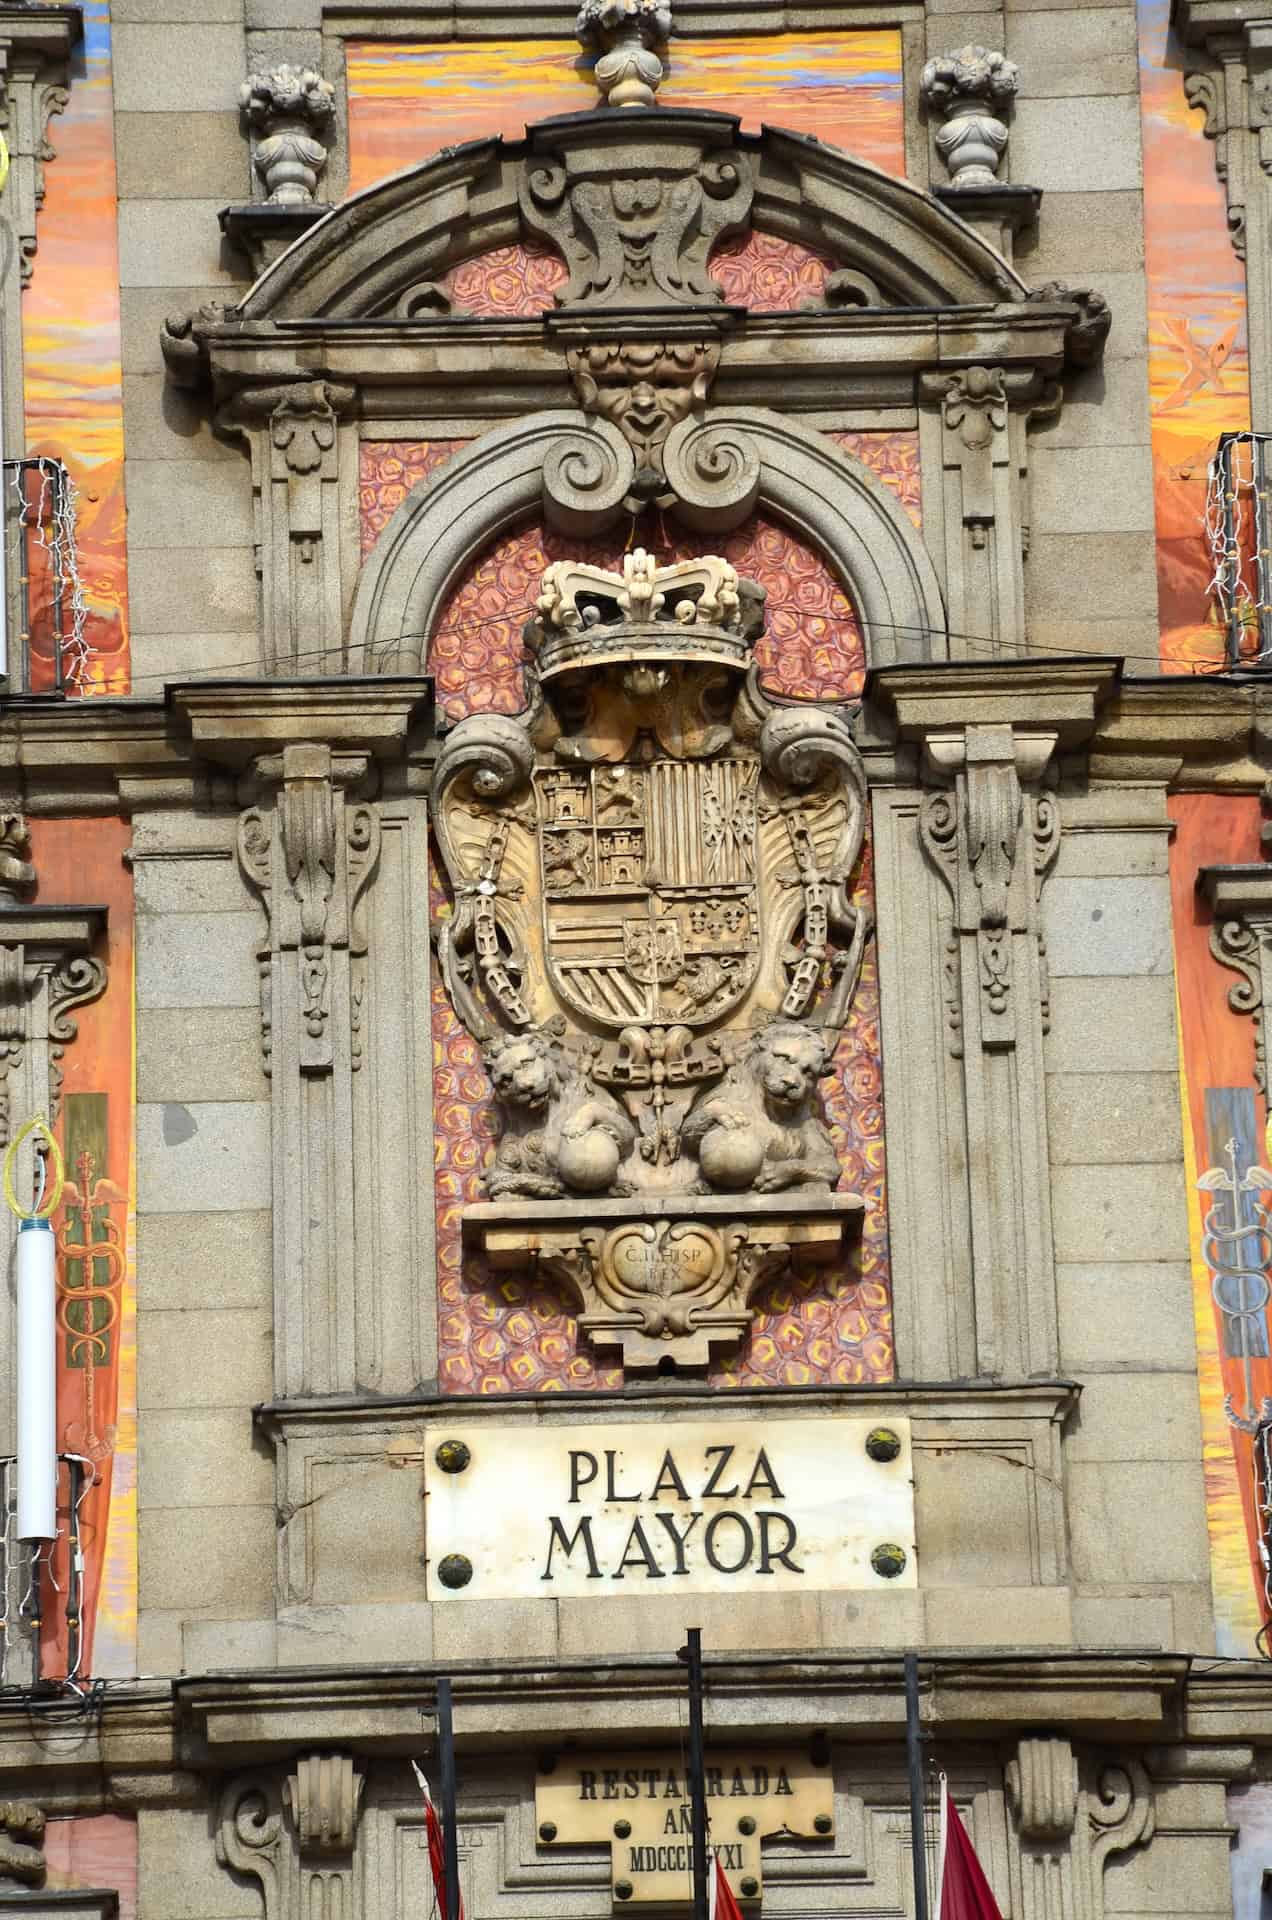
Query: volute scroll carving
653	937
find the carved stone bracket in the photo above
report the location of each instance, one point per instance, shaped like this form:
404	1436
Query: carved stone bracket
1072	1817
305	1864
653	1280
644	388
295	436
1241	938
310	864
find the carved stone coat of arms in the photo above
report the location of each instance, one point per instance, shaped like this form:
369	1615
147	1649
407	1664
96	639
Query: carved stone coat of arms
654	938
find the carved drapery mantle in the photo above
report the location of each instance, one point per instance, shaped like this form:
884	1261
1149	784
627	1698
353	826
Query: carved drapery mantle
309	846
989	828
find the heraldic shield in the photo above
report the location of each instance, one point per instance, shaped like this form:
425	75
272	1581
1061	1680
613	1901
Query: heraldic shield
651	911
654	938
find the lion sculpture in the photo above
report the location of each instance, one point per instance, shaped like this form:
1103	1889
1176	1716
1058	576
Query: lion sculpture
21	1844
562	1134
759	1130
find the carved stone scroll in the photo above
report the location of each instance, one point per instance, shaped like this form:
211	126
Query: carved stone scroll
1241	938
655	939
296	1838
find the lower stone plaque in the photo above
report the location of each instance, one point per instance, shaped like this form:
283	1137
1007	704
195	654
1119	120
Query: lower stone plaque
638	1803
522	1511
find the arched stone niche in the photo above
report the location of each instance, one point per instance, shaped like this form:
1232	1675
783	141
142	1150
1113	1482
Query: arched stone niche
576	472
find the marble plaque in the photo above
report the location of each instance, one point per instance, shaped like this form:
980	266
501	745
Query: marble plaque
522	1511
638	1804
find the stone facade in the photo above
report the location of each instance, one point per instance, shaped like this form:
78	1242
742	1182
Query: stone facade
739	1013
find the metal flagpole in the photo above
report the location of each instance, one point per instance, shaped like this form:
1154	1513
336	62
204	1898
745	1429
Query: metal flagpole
446	1759
914	1766
691	1654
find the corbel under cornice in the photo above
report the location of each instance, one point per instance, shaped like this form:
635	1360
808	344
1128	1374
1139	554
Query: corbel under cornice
232	722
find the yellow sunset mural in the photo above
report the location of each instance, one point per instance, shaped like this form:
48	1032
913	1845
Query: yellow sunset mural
406	101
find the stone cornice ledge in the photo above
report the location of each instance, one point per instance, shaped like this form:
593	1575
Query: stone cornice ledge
1062	696
233	721
236	1717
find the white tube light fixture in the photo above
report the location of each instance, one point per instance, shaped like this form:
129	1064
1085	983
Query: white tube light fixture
36	1285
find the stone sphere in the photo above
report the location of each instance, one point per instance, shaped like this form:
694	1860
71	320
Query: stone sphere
731	1157
588	1163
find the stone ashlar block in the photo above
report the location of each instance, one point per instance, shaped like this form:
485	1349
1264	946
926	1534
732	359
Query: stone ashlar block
313	1636
221	1557
1113	1026
1084	53
1134	1314
1136	1416
650	1623
1140	1522
211	1157
177	1870
1077	146
209	1645
1125	1621
204	1260
1126	1118
202	1457
193	589
216	1357
1084	233
163	422
997	1616
1091	489
1109	1213
1105	927
198	1054
166	499
495	1630
198	960
191	67
181	156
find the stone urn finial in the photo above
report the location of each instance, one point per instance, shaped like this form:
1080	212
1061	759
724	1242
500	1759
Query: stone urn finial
967	89
289	107
627	32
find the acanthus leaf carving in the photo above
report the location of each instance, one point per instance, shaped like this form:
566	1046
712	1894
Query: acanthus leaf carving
614	853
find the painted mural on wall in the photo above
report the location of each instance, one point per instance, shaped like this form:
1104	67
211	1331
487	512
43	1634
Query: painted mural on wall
81	862
74	405
1224	1121
407	100
1197	363
94	1850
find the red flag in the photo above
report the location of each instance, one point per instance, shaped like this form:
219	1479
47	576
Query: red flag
963	1892
721	1904
436	1847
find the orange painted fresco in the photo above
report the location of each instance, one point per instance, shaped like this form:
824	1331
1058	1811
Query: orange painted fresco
73	378
81	862
407	100
1197	364
1217	1053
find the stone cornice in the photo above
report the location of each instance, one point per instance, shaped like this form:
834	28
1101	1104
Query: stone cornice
46	32
503	367
233	721
1198	22
1059	696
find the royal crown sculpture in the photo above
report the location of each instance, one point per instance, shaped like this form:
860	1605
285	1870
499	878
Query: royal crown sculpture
654	940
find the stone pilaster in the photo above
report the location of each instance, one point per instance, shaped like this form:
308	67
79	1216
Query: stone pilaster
304	478
987	822
346	1255
983	457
